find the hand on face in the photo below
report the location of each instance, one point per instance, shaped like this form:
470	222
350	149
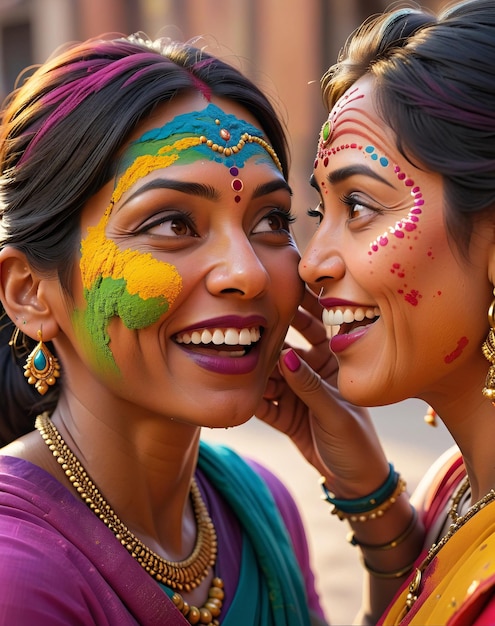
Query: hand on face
302	401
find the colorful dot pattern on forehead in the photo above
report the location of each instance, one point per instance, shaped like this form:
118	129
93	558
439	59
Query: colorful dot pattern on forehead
328	127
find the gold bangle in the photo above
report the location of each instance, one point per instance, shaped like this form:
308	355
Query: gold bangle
388	575
376	512
390	544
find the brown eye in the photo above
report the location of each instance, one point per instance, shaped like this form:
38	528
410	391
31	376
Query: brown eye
179	227
170	226
276	221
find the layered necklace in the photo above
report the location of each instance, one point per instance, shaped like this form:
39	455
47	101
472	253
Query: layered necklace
457	522
178	575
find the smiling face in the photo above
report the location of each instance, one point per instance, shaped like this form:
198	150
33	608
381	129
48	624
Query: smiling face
188	273
407	314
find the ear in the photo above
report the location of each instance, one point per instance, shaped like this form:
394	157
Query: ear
24	295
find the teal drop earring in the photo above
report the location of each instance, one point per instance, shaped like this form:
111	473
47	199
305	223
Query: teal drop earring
42	368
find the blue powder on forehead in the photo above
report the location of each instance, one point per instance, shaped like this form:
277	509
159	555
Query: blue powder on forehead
220	128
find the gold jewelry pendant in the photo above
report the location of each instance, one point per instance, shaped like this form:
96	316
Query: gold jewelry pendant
488	349
42	368
412	596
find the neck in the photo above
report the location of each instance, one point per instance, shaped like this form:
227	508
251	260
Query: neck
142	465
470	418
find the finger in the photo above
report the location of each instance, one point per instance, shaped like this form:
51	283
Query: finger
320	396
301	378
310	327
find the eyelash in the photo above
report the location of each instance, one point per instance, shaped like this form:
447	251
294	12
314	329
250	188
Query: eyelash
184	216
287	216
351	201
315	213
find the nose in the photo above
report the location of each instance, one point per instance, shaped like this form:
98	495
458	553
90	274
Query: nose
237	269
321	262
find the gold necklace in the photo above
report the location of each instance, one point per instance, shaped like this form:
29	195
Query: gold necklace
178	575
206	614
458	522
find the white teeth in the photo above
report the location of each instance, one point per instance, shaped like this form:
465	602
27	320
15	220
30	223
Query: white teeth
219	336
359	315
245	337
336	317
232	337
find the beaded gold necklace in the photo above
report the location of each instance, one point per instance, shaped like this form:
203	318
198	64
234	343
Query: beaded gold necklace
458	522
178	575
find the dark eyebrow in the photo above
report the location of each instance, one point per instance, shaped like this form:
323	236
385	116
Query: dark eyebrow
204	191
338	176
270	187
196	189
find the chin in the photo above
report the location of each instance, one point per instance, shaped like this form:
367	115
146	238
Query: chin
360	391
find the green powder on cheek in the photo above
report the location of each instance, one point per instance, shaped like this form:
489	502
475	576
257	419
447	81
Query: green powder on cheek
109	298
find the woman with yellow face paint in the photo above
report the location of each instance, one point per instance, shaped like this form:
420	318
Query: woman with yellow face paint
148	278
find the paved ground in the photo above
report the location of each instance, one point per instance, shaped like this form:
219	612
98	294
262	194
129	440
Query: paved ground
411	445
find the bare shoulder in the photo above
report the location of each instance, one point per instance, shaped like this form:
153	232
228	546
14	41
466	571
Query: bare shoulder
31	448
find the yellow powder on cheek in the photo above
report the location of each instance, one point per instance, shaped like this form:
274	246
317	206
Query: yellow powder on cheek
144	275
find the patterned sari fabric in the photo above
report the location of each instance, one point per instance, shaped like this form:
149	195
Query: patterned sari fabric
458	586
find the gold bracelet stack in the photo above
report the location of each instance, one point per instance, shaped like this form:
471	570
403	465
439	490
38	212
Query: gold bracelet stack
368	507
388	575
390	544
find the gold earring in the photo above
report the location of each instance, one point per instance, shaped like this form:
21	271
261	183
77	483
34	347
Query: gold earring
488	349
430	417
42	368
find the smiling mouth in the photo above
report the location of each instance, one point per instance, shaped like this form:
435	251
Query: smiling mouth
345	320
228	342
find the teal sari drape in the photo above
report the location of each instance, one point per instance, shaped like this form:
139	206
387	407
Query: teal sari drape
271	591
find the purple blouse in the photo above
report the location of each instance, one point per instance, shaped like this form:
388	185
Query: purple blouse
61	565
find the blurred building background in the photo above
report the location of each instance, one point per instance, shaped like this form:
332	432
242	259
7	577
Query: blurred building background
284	45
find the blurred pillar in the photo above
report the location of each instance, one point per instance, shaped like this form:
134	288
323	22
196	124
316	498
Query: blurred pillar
52	26
97	17
288	53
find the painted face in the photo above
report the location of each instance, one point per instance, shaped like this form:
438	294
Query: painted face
185	261
399	301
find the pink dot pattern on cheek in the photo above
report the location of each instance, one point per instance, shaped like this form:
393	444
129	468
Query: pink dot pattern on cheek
413	297
461	344
396	269
409	223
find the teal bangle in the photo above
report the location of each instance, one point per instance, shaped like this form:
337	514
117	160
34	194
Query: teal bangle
367	503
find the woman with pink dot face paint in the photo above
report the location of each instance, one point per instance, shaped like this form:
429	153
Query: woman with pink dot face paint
148	277
403	266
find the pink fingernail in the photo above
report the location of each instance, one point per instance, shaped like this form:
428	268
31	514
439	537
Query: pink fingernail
292	361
